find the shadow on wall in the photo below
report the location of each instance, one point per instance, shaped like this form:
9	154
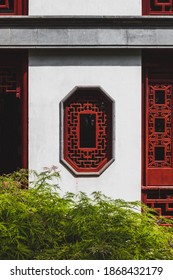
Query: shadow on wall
87	57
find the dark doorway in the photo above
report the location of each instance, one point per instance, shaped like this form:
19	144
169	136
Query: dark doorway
10	133
13	111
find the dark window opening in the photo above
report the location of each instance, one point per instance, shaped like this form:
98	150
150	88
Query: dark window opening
87	130
160	96
159	125
159	153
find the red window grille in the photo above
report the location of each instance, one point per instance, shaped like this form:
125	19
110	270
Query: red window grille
13	111
157	7
88	131
13	7
157	189
160	199
158	127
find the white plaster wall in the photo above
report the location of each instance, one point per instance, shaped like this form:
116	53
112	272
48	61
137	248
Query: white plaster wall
52	75
85	7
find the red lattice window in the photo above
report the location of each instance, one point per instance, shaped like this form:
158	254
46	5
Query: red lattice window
158	97
88	131
160	199
157	190
159	124
13	112
13	7
157	7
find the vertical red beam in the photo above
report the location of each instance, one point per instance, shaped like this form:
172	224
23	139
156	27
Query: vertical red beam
146	126
25	5
21	7
18	9
145	7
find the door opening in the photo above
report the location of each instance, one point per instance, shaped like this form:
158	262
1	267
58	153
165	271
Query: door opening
13	114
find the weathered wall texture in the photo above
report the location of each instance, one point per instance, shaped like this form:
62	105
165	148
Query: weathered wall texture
85	7
52	75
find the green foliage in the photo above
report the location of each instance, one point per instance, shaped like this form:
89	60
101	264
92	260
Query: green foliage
37	223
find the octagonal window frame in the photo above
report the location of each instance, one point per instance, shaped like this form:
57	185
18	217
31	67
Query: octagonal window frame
110	156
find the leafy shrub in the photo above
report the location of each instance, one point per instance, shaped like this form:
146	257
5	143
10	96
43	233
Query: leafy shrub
37	223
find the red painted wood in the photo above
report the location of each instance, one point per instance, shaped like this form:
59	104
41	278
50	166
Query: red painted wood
19	7
89	102
158	171
157	176
160	199
145	8
157	7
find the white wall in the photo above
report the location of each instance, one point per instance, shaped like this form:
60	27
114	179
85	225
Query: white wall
52	75
85	7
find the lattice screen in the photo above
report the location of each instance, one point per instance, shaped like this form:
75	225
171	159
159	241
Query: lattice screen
159	125
13	7
156	7
160	199
87	130
157	190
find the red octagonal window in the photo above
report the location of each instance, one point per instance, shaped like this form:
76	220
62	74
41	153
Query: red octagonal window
87	134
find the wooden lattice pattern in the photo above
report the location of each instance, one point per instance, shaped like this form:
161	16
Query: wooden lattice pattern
4	4
7	7
160	199
159	110
154	7
13	7
85	159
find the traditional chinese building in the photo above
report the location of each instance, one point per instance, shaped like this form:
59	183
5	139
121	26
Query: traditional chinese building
86	85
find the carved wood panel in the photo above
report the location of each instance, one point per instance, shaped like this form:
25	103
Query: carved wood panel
158	96
13	7
159	124
158	7
160	199
87	126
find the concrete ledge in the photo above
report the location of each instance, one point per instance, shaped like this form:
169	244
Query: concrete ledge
86	32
